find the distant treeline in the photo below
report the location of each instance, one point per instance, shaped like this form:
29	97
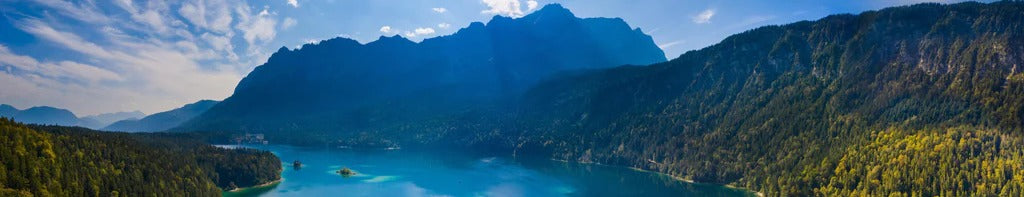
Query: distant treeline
74	161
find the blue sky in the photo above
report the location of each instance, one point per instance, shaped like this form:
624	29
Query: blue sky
98	56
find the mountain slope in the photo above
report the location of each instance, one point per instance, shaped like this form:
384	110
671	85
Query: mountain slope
41	115
163	120
341	85
802	109
103	120
73	161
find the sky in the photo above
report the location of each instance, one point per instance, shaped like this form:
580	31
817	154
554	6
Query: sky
101	56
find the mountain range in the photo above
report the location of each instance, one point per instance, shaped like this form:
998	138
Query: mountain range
163	120
47	115
135	121
102	120
340	85
40	115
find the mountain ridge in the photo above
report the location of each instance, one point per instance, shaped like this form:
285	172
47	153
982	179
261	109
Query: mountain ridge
163	120
102	120
340	84
42	115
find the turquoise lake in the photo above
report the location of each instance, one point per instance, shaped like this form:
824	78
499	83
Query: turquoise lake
451	173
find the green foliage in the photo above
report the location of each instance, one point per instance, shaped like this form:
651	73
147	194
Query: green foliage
345	172
955	162
777	109
74	161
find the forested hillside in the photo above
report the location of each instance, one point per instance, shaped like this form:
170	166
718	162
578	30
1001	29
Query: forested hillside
74	161
915	100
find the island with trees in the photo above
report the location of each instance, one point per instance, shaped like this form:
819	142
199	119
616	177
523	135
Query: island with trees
346	172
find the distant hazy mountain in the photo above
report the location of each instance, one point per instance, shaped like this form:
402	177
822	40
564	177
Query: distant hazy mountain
163	120
41	115
46	115
102	120
8	111
341	85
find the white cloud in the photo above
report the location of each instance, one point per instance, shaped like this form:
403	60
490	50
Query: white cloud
440	10
419	32
65	70
531	5
85	13
256	29
288	23
424	31
385	29
71	41
126	5
444	25
510	8
293	3
136	55
159	75
704	17
670	44
153	19
221	43
153	14
208	15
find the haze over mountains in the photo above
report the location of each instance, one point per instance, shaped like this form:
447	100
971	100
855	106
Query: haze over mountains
163	120
118	121
47	115
342	85
103	120
41	115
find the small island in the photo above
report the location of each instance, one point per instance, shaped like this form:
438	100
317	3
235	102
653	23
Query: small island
345	172
297	164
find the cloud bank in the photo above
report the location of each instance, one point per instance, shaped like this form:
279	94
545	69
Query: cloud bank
510	8
125	55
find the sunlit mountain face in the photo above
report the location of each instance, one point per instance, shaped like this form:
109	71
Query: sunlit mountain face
344	86
511	98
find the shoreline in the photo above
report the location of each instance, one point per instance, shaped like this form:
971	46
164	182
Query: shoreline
756	193
256	186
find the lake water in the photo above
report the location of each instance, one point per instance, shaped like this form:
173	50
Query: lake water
450	173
